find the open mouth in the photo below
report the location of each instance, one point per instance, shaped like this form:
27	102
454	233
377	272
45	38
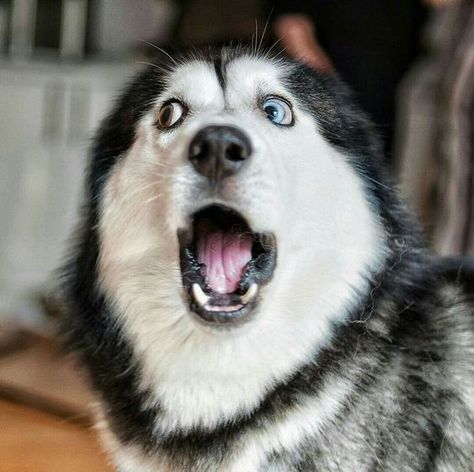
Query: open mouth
224	264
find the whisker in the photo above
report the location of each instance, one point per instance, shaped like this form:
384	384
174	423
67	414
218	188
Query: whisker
254	46
264	30
152	199
175	62
155	66
273	46
280	53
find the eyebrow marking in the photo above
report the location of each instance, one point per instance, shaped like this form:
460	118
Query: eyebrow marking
219	67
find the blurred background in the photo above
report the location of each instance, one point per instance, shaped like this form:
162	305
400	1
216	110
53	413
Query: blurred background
62	62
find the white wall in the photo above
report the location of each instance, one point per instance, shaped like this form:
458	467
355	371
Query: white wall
47	116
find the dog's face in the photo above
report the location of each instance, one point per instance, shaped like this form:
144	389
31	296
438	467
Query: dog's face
232	232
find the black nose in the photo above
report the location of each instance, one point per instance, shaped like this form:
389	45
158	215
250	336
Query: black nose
219	151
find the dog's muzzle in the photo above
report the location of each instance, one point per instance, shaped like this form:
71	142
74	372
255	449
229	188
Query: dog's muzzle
223	262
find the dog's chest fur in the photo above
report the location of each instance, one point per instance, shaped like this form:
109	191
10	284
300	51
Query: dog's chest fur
386	399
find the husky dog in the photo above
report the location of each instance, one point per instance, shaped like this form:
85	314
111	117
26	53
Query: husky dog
248	292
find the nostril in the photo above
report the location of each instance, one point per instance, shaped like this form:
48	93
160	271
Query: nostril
235	152
199	151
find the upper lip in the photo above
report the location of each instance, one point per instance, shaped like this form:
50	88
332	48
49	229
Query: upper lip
236	306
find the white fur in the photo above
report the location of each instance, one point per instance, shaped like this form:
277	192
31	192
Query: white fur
297	186
304	421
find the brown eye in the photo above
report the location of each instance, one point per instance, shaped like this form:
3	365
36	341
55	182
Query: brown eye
170	114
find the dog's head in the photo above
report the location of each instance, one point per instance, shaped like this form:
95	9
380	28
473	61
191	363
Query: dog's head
237	210
234	200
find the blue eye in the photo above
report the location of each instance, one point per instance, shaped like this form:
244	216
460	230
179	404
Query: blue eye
278	111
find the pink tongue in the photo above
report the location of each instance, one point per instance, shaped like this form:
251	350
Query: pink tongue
225	256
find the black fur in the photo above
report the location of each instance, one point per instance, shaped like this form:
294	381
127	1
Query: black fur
219	67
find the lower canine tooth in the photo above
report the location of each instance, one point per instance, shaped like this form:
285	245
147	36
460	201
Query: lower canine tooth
250	294
199	295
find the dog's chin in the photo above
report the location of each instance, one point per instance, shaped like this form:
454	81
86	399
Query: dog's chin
224	264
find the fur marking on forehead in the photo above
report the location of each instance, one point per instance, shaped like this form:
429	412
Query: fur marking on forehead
219	67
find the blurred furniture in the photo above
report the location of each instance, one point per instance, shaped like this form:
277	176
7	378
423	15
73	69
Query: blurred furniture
73	29
436	123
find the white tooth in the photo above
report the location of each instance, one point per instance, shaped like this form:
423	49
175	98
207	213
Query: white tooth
199	295
250	294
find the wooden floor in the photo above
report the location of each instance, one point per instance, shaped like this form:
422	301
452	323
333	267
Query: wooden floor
31	441
44	412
